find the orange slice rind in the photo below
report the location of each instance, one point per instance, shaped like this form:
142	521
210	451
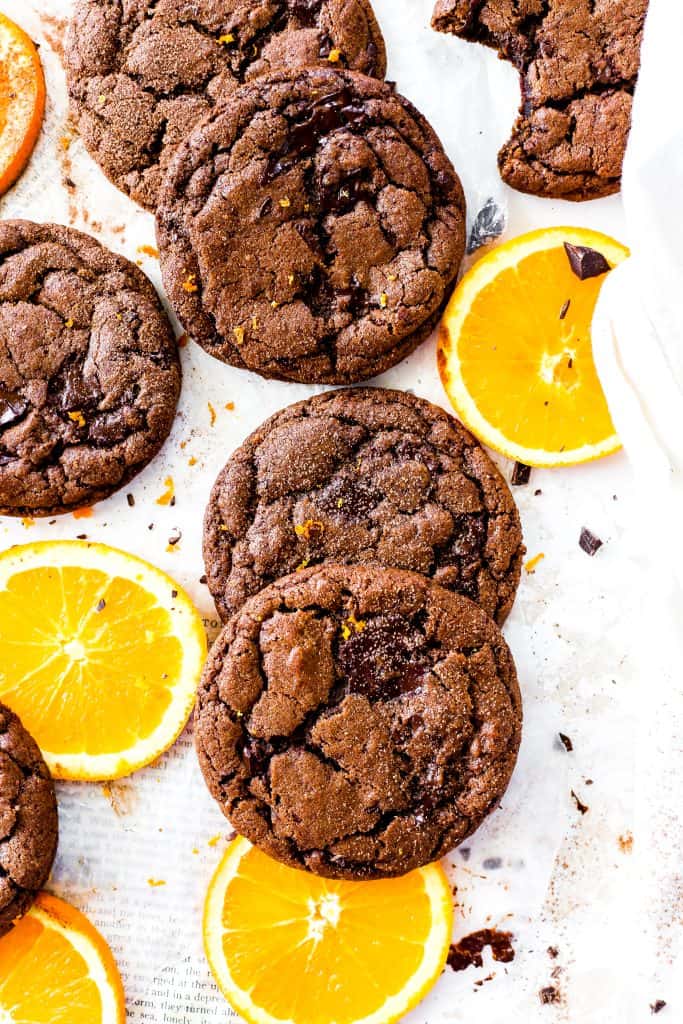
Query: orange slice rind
55	968
285	945
515	352
100	655
22	100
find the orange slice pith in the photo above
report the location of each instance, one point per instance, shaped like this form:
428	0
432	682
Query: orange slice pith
515	351
22	100
55	968
100	655
287	946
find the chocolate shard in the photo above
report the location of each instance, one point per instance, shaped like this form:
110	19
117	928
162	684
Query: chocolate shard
566	742
565	309
657	1006
589	543
521	474
488	225
586	262
12	408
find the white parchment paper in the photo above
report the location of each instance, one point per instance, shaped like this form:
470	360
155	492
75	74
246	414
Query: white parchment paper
553	876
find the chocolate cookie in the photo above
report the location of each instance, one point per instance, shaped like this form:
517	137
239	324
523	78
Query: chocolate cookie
89	370
367	476
358	722
579	63
142	72
311	227
28	820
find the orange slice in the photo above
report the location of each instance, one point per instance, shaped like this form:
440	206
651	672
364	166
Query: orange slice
22	100
515	352
55	968
100	655
285	945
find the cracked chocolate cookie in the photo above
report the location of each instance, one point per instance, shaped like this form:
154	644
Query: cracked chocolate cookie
358	722
370	476
28	820
578	62
311	228
89	370
142	73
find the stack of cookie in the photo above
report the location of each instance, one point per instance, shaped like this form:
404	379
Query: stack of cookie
309	222
360	713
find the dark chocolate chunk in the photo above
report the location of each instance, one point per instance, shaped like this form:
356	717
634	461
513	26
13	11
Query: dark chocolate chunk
521	475
586	262
566	742
589	543
549	995
657	1006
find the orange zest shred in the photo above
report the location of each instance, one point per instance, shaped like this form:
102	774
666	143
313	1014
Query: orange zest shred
169	494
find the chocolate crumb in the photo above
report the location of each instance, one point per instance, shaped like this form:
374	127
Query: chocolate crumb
579	804
203	580
131	500
538	493
175	539
565	309
549	995
589	543
566	742
174	593
151	526
553	952
81	536
586	262
468	952
658	1006
172	502
101	605
492	863
521	474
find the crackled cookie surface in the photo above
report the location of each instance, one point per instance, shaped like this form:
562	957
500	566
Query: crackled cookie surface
364	475
358	722
579	61
143	72
28	820
311	228
89	370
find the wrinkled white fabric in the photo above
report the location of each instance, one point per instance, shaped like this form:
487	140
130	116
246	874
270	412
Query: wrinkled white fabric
638	345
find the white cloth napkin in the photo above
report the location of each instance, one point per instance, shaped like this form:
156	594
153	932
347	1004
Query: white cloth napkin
638	346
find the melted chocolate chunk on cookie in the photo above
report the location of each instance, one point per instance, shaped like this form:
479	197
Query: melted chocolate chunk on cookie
363	476
89	370
13	408
143	73
358	722
579	64
320	223
28	820
383	658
